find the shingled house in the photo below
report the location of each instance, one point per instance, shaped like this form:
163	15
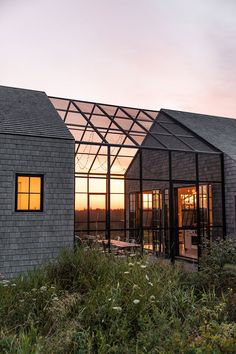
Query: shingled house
36	181
166	179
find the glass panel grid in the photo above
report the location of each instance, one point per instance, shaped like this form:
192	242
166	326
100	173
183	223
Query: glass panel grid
141	199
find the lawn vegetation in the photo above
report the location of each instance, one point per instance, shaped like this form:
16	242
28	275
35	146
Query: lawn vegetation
88	302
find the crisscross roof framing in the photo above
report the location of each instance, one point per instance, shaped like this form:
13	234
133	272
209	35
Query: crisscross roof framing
97	127
103	120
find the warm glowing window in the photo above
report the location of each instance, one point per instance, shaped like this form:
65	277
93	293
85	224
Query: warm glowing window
147	200
29	193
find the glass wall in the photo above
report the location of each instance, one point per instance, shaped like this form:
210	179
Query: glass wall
142	177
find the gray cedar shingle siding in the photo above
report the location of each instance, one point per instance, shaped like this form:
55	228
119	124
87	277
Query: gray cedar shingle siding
230	194
27	239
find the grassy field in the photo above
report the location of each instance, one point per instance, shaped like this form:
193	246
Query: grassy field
88	302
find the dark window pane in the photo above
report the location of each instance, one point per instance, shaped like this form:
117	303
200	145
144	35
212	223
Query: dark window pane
171	142
176	129
155	164
183	166
209	167
197	144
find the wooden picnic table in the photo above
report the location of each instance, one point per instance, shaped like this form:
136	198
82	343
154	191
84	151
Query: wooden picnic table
120	244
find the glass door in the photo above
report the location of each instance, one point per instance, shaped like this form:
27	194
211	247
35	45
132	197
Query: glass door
186	218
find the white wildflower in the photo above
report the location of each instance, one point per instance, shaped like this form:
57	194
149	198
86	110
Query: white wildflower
126	272
147	277
143	266
117	308
13	284
136	301
5	285
150	283
130	264
55	298
43	288
152	298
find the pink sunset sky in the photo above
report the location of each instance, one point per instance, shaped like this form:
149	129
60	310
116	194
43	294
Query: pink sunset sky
177	54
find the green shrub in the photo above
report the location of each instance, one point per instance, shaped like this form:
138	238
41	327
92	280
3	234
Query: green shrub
88	302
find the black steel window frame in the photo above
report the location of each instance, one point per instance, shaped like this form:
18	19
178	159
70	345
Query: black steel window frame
41	192
135	136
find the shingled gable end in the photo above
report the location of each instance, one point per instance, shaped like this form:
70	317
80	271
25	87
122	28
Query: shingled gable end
34	142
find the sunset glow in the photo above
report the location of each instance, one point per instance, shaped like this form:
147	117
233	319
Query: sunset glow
176	54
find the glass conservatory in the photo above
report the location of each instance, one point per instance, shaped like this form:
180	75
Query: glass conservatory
141	176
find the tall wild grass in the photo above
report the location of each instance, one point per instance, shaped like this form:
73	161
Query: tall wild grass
88	302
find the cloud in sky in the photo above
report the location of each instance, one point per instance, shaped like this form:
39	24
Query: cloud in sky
177	54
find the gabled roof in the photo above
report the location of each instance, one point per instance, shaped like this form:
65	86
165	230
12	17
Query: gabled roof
218	131
28	112
96	126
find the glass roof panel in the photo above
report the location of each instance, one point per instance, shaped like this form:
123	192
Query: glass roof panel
110	110
100	121
153	114
164	119
137	128
127	152
159	129
91	136
171	142
176	129
114	150
144	116
59	103
83	162
150	141
124	123
85	107
87	149
197	144
131	111
138	138
97	110
94	125
115	138
75	118
122	114
129	142
121	164
77	134
146	124
62	114
99	164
